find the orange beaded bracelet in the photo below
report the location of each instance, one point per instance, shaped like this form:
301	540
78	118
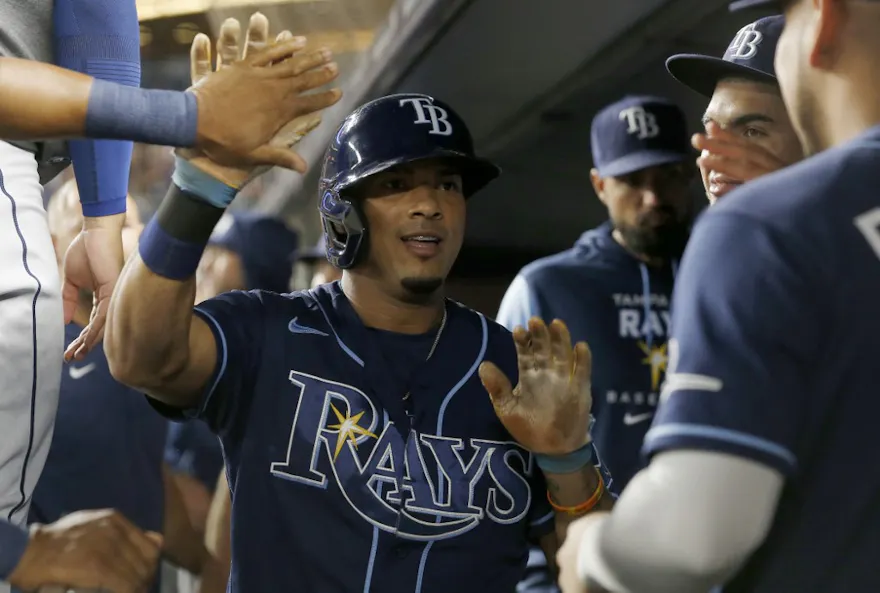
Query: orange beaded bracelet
584	507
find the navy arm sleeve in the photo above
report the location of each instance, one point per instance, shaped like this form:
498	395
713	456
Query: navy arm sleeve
744	336
13	542
100	38
237	322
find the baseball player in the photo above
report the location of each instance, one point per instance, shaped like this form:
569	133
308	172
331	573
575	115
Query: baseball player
107	448
39	101
614	286
356	431
771	399
747	131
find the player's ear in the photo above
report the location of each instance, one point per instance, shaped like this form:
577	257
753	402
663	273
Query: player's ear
825	28
598	184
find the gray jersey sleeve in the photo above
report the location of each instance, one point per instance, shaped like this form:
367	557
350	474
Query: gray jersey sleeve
684	524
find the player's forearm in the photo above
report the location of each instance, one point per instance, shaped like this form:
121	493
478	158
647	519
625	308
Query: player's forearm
40	101
100	39
147	339
183	545
666	536
147	333
218	530
571	490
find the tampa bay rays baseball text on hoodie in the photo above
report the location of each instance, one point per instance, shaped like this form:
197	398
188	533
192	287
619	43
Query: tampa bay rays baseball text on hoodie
620	307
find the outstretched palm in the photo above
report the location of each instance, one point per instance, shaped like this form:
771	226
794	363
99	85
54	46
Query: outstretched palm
549	410
230	50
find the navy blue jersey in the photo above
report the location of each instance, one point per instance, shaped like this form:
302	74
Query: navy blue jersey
340	483
620	307
106	451
774	358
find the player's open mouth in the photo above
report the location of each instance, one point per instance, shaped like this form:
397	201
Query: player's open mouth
720	185
423	244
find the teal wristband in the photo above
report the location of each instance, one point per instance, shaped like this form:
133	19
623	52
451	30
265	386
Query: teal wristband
566	464
199	184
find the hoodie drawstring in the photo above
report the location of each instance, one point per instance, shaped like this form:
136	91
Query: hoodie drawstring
646	304
646	297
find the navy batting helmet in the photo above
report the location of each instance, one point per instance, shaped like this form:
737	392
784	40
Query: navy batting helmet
379	135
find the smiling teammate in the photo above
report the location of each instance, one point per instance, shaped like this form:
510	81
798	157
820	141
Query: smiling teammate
747	130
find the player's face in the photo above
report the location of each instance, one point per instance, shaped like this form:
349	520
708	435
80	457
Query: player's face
220	270
651	209
754	114
416	217
796	77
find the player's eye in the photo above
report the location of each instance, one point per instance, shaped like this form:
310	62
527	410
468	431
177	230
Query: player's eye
394	184
635	179
451	185
754	133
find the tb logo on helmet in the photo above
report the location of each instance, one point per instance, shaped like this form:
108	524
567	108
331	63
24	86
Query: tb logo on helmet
428	113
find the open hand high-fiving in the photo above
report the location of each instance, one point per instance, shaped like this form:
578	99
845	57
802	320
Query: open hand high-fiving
548	412
313	68
94	259
284	70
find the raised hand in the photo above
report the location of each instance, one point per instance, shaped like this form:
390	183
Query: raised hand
548	411
733	156
257	92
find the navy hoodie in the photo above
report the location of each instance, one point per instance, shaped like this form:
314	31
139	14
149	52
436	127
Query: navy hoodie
620	307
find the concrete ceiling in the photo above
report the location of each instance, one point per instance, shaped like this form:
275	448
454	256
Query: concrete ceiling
528	77
530	93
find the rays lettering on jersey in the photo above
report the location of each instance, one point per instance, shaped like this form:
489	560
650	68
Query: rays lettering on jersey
634	323
427	487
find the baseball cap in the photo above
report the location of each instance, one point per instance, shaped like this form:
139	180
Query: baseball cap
750	54
638	132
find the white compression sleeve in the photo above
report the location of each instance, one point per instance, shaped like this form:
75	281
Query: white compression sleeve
683	525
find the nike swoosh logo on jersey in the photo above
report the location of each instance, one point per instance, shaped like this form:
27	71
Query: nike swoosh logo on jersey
80	372
631	419
296	328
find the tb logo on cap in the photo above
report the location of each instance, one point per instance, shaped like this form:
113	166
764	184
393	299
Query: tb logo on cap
745	45
428	113
640	122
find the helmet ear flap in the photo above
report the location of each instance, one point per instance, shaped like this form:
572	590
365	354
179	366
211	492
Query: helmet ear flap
345	229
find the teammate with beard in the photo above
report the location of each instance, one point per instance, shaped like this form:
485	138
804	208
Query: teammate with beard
614	286
762	456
